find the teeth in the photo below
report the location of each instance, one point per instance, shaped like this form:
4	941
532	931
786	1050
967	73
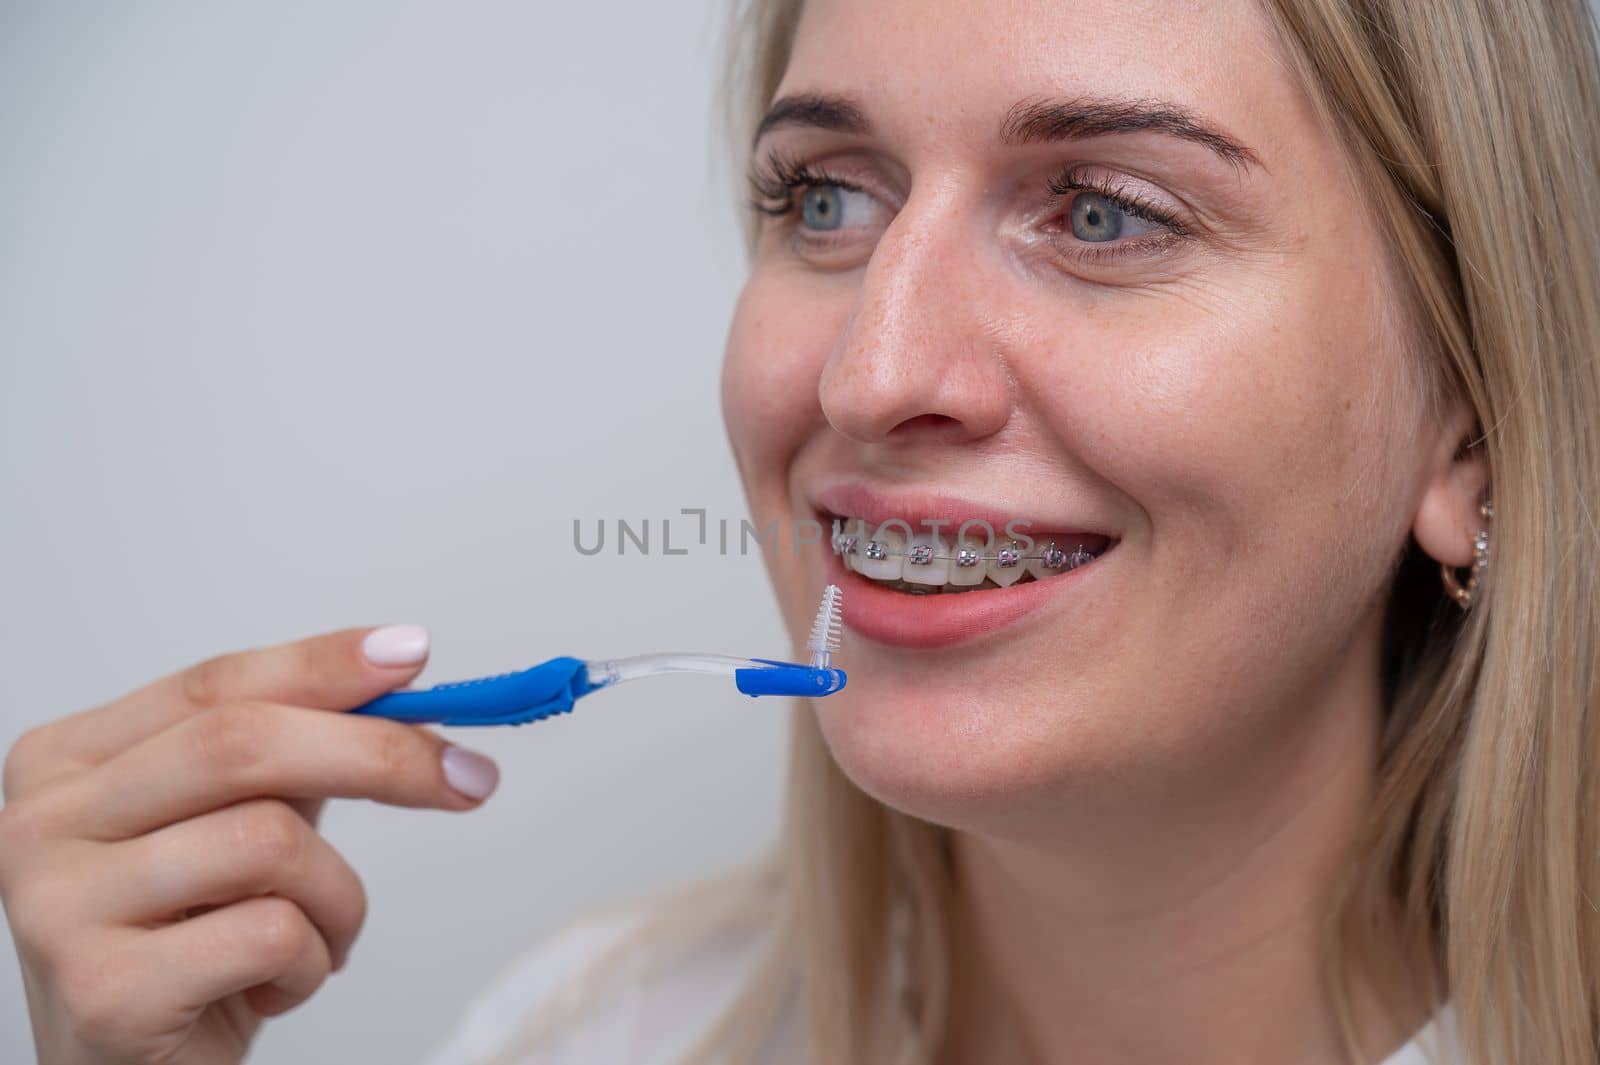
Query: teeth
1007	567
927	560
848	540
1051	559
967	576
927	564
881	557
1056	557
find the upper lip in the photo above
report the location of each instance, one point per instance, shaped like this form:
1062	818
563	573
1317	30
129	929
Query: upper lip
917	507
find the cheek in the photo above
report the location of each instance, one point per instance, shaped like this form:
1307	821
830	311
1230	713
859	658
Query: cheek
777	344
1235	411
1257	431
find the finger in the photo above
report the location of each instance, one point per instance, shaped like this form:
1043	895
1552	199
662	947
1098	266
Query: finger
333	671
265	940
131	988
252	848
255	750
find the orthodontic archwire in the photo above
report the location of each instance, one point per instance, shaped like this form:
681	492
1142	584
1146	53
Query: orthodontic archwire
552	687
1050	556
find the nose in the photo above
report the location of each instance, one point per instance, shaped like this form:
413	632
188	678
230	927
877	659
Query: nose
920	357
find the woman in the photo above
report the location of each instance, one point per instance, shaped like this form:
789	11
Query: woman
1268	320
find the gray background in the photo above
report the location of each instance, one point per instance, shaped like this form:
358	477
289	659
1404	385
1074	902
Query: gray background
316	315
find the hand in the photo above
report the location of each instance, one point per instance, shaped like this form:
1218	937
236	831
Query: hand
159	860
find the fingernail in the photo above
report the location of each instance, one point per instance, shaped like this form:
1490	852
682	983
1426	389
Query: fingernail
469	772
396	645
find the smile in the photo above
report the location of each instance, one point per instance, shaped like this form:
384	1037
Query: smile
934	563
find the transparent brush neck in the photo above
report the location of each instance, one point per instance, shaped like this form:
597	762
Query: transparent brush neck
617	670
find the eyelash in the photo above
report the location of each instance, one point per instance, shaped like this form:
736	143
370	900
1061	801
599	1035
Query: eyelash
775	184
781	176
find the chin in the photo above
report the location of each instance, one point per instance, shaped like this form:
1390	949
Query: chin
953	756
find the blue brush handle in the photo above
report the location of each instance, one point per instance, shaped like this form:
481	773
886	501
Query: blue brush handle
787	678
509	699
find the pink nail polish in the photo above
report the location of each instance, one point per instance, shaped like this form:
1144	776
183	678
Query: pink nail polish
472	774
396	645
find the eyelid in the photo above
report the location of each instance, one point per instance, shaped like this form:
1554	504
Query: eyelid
833	168
773	168
1121	189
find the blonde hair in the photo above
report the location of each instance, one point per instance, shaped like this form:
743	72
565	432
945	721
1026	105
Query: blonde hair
1473	129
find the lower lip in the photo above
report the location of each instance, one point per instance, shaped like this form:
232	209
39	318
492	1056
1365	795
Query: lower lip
902	619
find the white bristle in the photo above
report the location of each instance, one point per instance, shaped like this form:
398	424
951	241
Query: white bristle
827	631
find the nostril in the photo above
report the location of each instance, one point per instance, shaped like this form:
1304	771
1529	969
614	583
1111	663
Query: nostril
936	424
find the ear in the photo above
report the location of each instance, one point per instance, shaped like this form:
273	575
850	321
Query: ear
1447	517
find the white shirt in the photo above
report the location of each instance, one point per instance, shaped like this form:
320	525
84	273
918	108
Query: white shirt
653	1022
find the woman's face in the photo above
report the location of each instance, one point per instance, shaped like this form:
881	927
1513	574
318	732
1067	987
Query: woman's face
1094	268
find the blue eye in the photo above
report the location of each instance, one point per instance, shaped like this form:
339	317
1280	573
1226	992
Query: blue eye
827	202
1106	219
821	208
1095	218
826	206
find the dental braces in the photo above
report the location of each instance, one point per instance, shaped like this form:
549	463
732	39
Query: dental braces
1050	556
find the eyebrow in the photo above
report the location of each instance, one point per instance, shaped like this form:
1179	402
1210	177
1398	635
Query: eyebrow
1033	121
